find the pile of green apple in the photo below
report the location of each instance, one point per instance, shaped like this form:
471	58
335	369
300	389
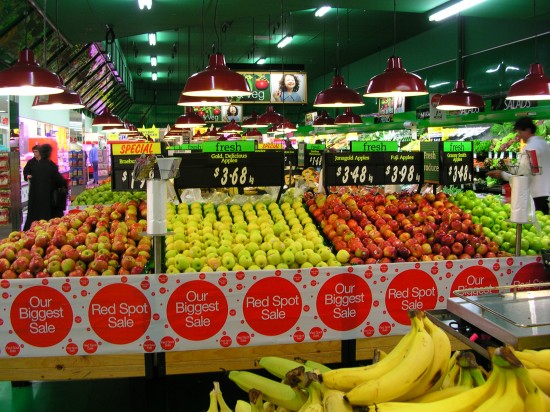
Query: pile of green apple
100	240
209	238
494	216
103	195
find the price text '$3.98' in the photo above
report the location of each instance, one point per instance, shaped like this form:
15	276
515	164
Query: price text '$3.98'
401	174
232	177
353	175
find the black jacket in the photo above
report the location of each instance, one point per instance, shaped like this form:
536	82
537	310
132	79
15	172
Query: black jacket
29	168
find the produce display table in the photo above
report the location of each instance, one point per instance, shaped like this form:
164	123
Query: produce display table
142	325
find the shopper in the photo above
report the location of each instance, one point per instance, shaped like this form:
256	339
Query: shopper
535	146
29	167
45	180
288	89
93	157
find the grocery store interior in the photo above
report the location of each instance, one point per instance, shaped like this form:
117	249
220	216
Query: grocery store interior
292	87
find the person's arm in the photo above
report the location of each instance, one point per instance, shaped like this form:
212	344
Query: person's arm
27	171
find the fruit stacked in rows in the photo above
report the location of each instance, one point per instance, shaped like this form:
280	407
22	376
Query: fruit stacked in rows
100	240
377	228
414	376
494	216
102	195
252	236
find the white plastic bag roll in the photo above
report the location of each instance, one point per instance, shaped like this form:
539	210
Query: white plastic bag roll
520	201
156	207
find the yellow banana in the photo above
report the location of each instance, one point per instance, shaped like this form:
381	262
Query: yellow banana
256	399
279	366
490	404
441	394
435	375
535	400
465	401
452	377
378	355
539	358
334	401
269	407
466	378
275	392
213	402
477	376
402	378
219	397
345	379
541	379
316	366
510	400
242	406
314	404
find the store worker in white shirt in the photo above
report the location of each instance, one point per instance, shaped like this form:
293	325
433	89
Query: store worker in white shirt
537	148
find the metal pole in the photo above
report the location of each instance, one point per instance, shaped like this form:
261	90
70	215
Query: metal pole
157	239
518	238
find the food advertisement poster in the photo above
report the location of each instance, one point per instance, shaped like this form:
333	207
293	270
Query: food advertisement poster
156	313
275	88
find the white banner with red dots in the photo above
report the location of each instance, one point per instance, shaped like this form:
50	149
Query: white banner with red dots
155	313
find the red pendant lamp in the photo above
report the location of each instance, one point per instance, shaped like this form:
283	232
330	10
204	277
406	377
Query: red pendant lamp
252	122
231	127
338	95
106	118
460	98
27	78
286	127
189	119
217	80
253	133
395	81
535	86
202	101
324	120
67	100
348	118
270	116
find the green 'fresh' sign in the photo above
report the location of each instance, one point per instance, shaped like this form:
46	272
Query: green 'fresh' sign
374	146
229	147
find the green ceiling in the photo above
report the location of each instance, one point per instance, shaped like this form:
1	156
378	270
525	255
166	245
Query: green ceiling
188	30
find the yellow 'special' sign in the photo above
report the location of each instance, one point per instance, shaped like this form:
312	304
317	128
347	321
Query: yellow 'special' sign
136	148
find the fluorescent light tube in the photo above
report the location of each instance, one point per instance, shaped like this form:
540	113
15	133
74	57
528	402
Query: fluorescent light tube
321	11
152	39
261	60
154	76
284	41
153	61
454	9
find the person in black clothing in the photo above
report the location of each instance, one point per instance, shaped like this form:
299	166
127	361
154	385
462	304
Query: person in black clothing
46	178
29	167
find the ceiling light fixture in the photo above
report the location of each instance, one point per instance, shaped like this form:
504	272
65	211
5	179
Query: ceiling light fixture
270	116
145	4
153	61
348	118
253	121
202	101
323	120
189	119
154	76
338	94
231	127
536	85
454	9
285	41
286	127
106	118
321	11
395	81
152	39
261	60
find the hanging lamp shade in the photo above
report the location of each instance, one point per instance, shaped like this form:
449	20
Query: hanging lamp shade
460	98
348	118
252	122
232	127
189	119
535	86
217	80
324	120
338	95
395	81
202	101
286	127
67	100
270	116
27	78
272	129
253	133
106	118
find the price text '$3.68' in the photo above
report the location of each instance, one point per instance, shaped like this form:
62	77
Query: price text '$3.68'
232	177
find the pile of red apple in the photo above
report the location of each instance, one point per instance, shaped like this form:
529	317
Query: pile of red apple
378	228
100	240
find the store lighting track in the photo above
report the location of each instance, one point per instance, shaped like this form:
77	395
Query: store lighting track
454	9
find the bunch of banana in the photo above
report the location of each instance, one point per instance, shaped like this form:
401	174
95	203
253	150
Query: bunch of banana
509	388
217	402
537	363
417	365
463	371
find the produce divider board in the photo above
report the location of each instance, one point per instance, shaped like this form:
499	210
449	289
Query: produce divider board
123	159
181	312
373	163
448	163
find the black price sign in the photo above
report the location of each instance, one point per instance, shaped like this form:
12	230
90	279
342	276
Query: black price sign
403	168
313	155
368	168
122	174
241	169
457	163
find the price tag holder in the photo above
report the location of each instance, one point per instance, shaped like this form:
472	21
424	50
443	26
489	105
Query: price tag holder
403	168
240	169
123	159
313	155
457	163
